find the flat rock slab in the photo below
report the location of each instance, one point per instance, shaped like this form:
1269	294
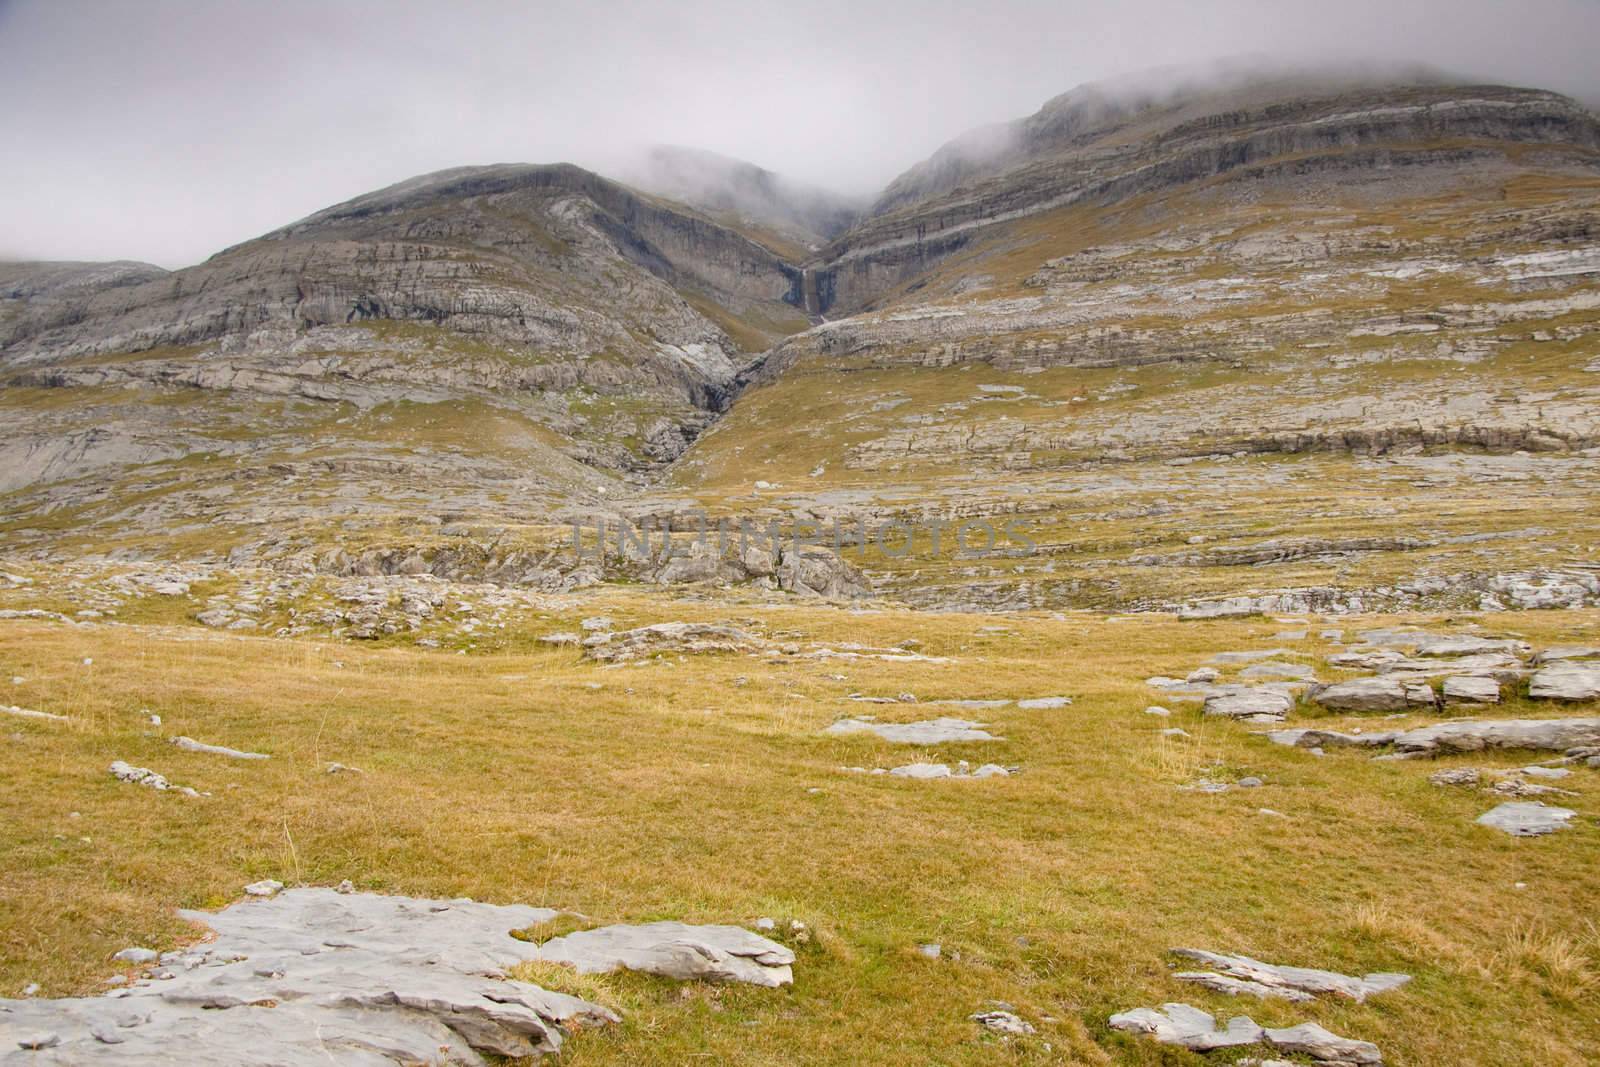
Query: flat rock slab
1226	658
317	977
1474	735
1255	705
29	713
1566	680
1471	690
1044	703
1274	669
1330	739
681	638
1304	980
1181	1024
1364	694
944	770
1526	818
1193	1029
676	950
1567	652
927	732
1466	645
189	744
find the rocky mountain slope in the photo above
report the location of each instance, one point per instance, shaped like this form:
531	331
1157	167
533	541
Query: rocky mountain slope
1260	337
1335	336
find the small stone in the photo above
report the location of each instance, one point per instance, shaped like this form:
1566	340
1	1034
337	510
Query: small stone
1175	731
932	951
137	955
1250	783
267	887
39	1040
1203	675
1038	703
1157	709
1003	1022
1456	776
766	925
346	886
31	989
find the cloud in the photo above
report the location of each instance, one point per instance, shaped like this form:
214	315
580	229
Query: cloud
166	130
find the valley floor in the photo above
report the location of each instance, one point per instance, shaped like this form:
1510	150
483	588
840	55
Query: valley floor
703	787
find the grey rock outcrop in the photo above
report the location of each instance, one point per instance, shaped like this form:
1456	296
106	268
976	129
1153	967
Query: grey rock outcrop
668	638
1363	694
1527	819
676	950
315	976
1250	705
1565	680
1296	979
1475	735
928	732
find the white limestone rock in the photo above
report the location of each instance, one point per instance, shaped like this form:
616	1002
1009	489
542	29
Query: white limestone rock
1363	694
1566	680
1251	705
928	732
1475	735
1298	979
1527	818
313	977
1471	690
676	950
1181	1024
189	744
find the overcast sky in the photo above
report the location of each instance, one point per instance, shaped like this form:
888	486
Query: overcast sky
164	130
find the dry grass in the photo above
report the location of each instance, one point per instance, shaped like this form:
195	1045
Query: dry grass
673	791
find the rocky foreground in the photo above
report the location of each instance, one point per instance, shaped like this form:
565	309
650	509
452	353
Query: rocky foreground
835	799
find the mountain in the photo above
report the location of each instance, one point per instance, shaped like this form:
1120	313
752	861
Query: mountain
533	327
1255	331
1284	335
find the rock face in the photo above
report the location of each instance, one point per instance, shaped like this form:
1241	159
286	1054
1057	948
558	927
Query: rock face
1112	141
314	976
